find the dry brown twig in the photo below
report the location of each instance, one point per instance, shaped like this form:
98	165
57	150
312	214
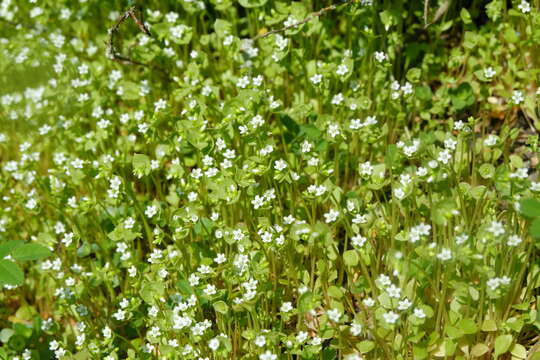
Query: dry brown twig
307	19
111	51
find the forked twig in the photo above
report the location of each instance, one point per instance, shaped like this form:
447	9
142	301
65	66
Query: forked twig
307	19
111	50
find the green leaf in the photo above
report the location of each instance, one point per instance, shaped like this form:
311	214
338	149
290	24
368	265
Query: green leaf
84	250
414	75
130	90
453	332
335	292
442	211
479	350
494	9
185	288
486	171
519	351
391	156
329	354
5	334
10	273
350	258
462	96
510	35
502	344
151	290
141	164
221	307
31	251
222	27
7	247
489	325
534	230
424	93
419	352
365	346
530	207
292	127
306	302
468	326
252	3
465	16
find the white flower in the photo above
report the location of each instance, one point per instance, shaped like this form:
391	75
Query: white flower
496	228
514	240
243	82
154	332
450	144
489	72
333	130
384	280
380	56
390	317
119	315
334	315
342	69
399	193
524	6
358	240
267	355
280	165
213	344
331	216
444	255
460	239
301	337
160	104
210	290
150	211
337	99
517	97
394	291
286	307
366	169
419	313
444	156
107	333
493	283
355	329
404	304
368	302
491	140
316	79
458	125
260	341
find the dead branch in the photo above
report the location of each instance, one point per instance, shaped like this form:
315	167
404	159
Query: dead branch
307	19
111	50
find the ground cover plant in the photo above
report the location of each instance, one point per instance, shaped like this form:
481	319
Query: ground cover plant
261	179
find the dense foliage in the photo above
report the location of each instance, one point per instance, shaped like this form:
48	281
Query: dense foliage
180	182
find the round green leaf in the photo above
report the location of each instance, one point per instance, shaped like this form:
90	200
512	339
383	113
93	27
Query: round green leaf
350	257
486	171
221	307
365	346
479	350
10	273
30	251
502	344
530	207
519	351
252	3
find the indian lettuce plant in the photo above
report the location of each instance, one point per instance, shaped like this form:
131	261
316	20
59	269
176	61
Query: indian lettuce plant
261	179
